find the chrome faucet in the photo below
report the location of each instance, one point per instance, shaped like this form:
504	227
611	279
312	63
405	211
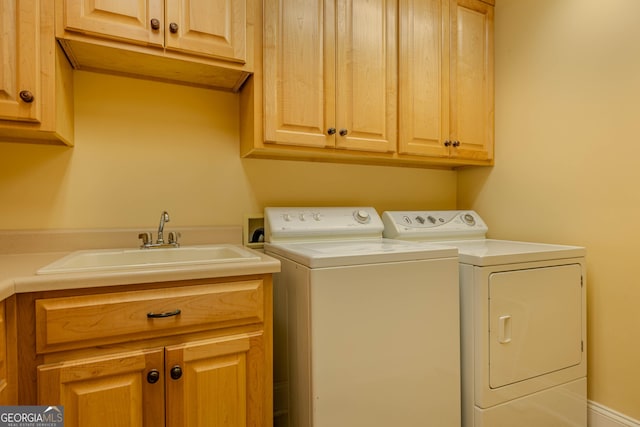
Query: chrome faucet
147	237
163	218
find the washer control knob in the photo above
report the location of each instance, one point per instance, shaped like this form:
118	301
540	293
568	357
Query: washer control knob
469	219
362	216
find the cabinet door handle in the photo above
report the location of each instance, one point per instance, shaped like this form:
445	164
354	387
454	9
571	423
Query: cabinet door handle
343	132
26	96
447	143
155	24
152	315
153	376
173	27
456	143
331	131
176	372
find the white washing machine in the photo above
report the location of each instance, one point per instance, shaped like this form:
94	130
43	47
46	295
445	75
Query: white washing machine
366	329
523	322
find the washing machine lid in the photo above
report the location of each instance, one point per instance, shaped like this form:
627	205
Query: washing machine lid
321	254
486	252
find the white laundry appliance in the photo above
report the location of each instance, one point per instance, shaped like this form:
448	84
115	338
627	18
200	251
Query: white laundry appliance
523	320
366	329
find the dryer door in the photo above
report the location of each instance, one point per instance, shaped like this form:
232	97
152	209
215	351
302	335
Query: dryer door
535	318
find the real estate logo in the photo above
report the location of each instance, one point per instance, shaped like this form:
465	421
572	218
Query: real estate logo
31	416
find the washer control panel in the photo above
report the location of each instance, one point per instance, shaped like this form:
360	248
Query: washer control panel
302	224
433	225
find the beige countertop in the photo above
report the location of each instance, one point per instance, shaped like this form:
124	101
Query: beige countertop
23	253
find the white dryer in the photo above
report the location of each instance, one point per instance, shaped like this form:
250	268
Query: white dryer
366	329
523	322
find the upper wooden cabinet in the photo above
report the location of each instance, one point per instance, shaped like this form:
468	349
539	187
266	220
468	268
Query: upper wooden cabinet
446	79
200	42
36	85
408	82
472	99
330	74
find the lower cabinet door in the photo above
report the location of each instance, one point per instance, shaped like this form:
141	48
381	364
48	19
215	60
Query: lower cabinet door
4	374
207	382
124	389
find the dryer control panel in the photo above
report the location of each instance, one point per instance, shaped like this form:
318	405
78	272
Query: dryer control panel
321	223
433	225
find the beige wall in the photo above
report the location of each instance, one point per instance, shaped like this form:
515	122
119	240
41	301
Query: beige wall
142	147
567	150
568	162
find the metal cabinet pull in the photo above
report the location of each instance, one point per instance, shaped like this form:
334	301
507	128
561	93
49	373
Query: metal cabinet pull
343	132
155	24
153	376
176	372
173	27
447	143
26	96
331	131
152	315
456	143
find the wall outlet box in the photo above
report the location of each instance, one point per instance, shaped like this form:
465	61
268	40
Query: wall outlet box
253	231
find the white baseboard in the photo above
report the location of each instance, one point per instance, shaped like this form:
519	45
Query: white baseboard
600	416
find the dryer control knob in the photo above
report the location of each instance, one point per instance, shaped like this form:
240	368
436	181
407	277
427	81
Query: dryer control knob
362	216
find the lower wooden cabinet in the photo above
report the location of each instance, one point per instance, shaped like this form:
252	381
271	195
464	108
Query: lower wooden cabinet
8	353
4	379
193	353
197	383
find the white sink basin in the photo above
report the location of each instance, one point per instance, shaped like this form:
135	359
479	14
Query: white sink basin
121	259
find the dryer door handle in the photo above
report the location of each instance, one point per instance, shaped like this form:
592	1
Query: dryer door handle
504	329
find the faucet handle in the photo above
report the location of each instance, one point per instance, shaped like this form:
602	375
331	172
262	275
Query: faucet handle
173	237
146	238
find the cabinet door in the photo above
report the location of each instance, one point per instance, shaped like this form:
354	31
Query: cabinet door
299	72
205	27
472	97
128	20
20	66
4	377
213	383
106	391
423	85
366	79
